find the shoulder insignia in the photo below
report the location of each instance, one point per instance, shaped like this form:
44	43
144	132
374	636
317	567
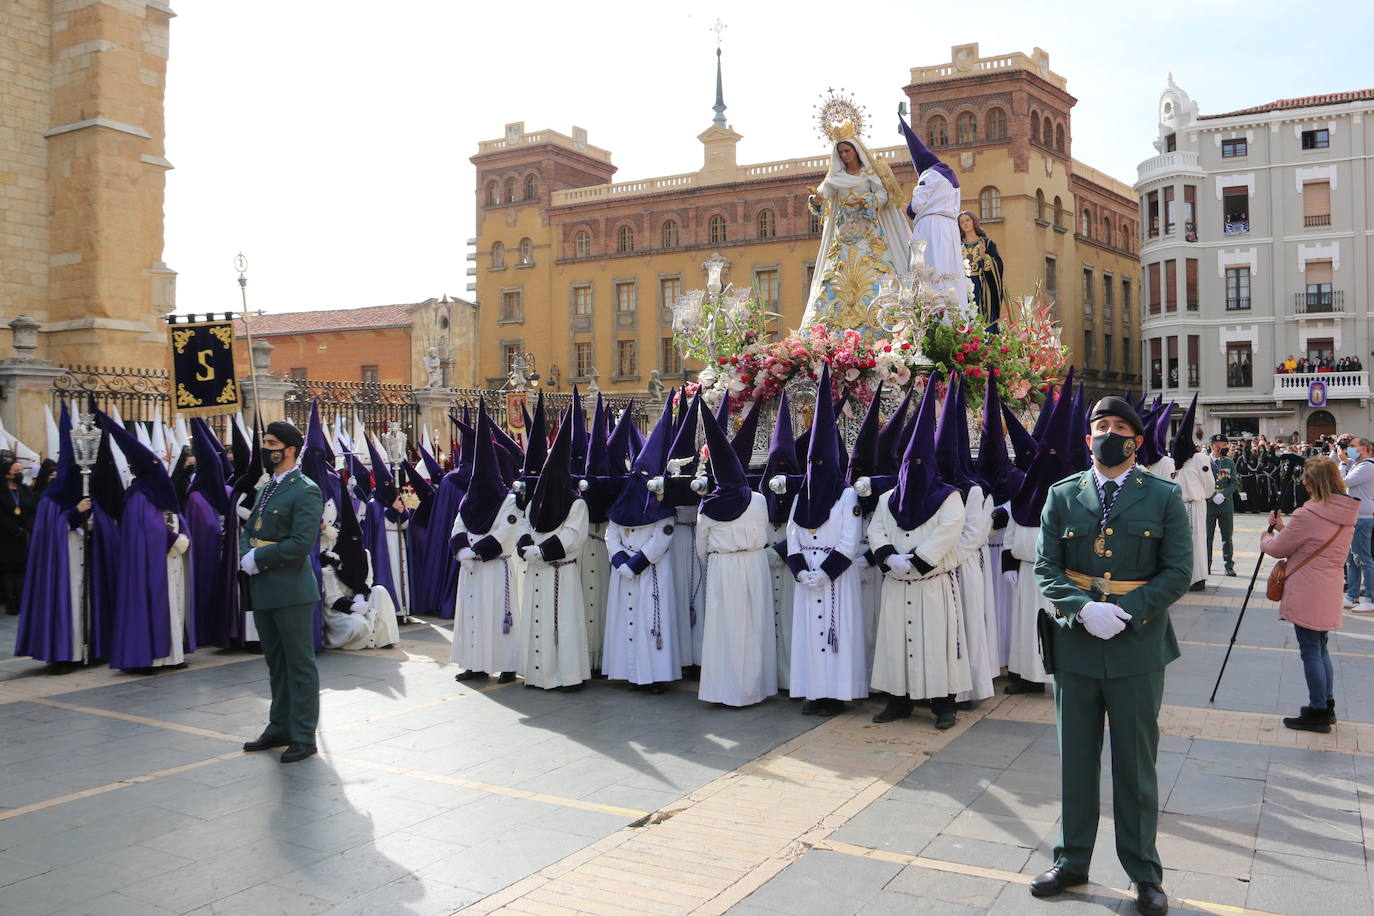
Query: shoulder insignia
858	511
667	529
510	519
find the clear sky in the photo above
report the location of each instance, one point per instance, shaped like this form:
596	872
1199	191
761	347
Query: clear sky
329	139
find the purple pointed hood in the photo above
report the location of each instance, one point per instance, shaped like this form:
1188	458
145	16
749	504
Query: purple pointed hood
824	471
383	484
685	435
317	461
994	464
1080	456
65	488
731	494
348	547
864	456
1023	443
743	439
949	445
209	480
920	490
620	447
150	474
537	440
922	158
580	437
556	490
1183	446
890	440
487	490
1051	463
635	505
597	456
782	459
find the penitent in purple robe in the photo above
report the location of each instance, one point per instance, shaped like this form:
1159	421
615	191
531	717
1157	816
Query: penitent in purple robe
142	629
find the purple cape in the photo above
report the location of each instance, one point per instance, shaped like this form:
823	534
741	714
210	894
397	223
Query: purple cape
142	625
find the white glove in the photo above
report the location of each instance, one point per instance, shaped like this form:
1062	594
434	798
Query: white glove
899	563
466	554
249	563
532	552
1102	619
1010	575
179	546
808	577
1218	498
359	605
623	570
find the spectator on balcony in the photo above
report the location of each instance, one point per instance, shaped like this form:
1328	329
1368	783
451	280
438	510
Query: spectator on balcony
1357	466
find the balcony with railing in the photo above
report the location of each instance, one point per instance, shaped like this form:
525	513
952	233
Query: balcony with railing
1237	226
1293	386
1167	165
1316	219
1319	303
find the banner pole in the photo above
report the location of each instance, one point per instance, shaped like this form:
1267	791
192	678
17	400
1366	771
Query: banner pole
241	265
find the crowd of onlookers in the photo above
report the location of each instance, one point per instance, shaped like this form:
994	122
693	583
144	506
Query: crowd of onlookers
19	492
1319	364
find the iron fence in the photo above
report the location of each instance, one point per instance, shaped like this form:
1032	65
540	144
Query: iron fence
373	403
134	395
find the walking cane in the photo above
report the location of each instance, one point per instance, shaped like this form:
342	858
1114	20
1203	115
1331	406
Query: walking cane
1236	632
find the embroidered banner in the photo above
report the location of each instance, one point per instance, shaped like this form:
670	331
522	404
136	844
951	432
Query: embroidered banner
1316	394
202	364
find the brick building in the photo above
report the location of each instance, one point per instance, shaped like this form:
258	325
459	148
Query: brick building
82	176
582	272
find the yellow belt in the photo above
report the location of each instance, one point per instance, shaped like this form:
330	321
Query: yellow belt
1104	584
259	542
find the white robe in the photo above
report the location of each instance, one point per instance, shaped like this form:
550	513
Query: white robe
487	608
553	644
783	588
1024	653
687	573
178	599
1195	480
596	581
1001	592
980	622
820	670
739	653
641	623
370	625
936	204
922	650
401	559
1164	467
870	596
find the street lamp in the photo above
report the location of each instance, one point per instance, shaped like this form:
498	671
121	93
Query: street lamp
85	446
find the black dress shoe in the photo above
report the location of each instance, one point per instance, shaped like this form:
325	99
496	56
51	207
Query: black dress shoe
506	677
1055	881
297	751
471	675
1151	900
1023	686
1199	586
657	689
896	708
1230	571
265	742
945	719
572	688
830	707
811	707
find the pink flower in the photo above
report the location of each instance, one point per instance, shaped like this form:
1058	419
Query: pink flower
851	375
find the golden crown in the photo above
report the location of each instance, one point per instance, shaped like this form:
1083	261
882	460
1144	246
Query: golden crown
839	117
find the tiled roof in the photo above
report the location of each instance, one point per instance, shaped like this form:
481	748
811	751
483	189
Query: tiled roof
1308	101
373	316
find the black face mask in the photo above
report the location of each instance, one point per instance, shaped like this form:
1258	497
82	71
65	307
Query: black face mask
1112	449
271	459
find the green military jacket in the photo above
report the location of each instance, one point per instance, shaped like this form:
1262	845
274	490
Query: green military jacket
1146	539
284	532
1226	479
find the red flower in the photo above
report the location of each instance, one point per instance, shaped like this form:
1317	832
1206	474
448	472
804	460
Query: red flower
906	346
887	349
1006	349
958	357
723	361
746	378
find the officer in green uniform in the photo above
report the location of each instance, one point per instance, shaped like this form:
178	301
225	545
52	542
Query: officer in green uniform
1114	553
275	545
1221	507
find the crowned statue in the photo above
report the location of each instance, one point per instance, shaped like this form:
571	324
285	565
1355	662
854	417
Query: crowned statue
865	238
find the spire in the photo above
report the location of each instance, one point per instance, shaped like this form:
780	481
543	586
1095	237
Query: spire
719	107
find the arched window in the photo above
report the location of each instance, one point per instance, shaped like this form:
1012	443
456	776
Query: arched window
510	191
670	233
1035	126
989	203
1046	131
498	254
995	124
1040	205
493	193
815	226
1059	137
1107	231
582	243
966	127
1085	224
526	251
625	240
937	131
531	187
768	224
1058	211
716	229
1127	237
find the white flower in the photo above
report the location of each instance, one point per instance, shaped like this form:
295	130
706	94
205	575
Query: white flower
851	375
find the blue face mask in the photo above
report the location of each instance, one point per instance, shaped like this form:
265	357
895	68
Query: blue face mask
1352	451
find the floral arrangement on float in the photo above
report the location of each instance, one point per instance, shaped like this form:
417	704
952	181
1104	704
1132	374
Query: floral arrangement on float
729	331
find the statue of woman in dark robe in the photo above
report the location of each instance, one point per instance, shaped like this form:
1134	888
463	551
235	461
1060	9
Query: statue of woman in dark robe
984	266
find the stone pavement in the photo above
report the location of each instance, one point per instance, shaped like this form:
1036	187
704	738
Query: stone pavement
125	794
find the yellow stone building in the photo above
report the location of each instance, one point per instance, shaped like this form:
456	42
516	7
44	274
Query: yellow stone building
581	271
82	175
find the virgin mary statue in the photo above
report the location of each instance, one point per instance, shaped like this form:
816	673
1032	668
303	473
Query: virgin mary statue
865	237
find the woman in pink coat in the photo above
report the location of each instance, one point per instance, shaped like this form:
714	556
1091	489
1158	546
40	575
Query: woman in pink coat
1316	542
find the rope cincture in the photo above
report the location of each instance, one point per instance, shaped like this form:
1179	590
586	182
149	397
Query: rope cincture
506	620
832	638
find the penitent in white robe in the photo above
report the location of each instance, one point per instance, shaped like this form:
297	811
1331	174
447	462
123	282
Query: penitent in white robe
596	581
178	601
641	623
399	555
822	668
1195	480
553	643
1001	592
936	204
783	588
739	653
1024	654
870	595
687	573
487	608
922	649
980	623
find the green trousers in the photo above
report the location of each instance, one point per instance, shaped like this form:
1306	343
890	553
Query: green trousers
1225	516
288	644
1131	705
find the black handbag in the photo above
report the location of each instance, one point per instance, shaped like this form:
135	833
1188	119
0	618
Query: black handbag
1044	628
